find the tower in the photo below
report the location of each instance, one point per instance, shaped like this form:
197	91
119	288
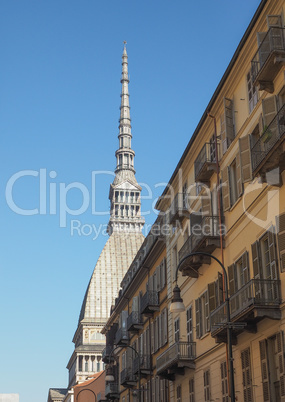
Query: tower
125	191
124	229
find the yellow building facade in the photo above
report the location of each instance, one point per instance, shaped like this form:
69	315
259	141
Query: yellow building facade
225	199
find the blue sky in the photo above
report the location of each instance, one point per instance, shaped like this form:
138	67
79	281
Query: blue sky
59	108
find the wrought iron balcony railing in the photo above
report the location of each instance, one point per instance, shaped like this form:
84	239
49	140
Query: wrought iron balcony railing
268	141
205	163
134	321
112	390
265	63
106	353
208	227
122	337
149	302
127	377
256	293
176	355
179	207
142	363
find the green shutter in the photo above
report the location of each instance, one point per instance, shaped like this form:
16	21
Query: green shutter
238	176
225	189
245	159
269	109
197	309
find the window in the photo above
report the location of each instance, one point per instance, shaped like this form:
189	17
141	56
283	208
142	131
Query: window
191	390
238	276
189	328
264	261
202	315
177	330
178	394
224	377
251	92
207	386
272	360
246	375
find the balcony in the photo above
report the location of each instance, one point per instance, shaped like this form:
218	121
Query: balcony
122	337
128	379
268	152
175	359
142	363
112	390
205	163
149	303
268	59
205	237
134	322
106	354
258	299
179	208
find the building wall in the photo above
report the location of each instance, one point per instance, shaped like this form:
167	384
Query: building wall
251	204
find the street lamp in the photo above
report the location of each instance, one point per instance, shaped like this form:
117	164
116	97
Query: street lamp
109	374
86	389
177	306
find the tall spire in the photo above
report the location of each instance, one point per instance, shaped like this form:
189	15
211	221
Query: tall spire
125	191
125	154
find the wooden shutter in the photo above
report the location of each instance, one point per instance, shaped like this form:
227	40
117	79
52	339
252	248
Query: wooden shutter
197	309
245	159
225	189
212	296
229	119
206	203
160	330
272	252
220	287
238	176
165	326
245	266
280	223
264	370
269	109
158	279
256	260
207	314
135	304
246	375
152	336
281	367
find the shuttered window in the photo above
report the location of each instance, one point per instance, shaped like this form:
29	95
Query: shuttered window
224	378
177	330
207	394
246	375
272	355
269	109
191	390
178	393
